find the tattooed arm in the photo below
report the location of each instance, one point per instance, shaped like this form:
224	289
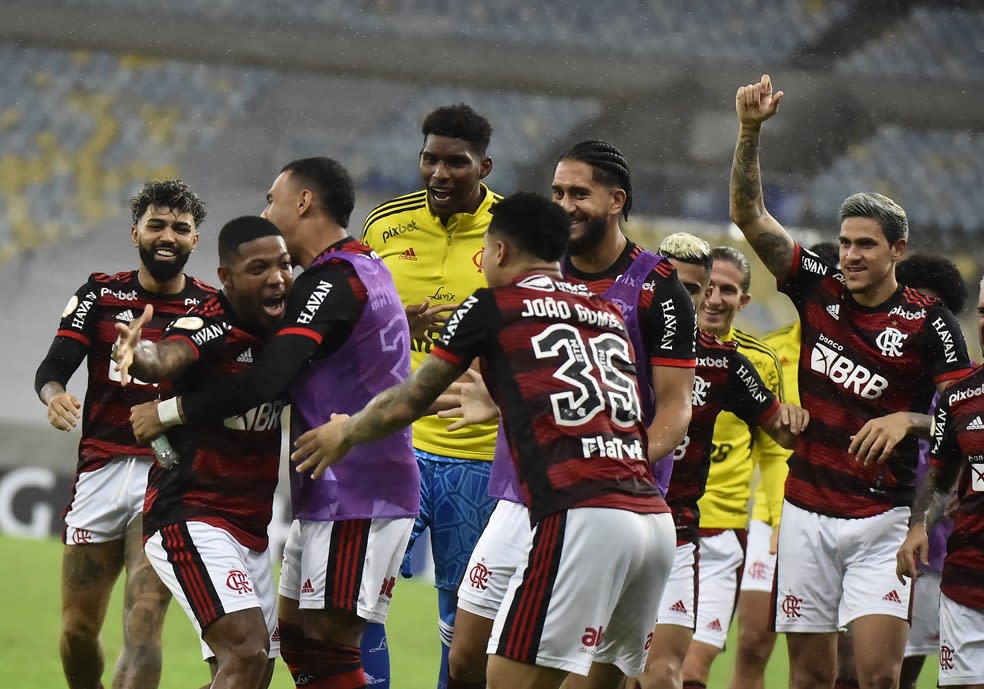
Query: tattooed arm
387	412
157	361
149	361
754	104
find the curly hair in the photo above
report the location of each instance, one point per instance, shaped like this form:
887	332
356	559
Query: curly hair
167	193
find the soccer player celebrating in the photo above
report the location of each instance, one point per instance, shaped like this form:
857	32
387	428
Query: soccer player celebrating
558	363
343	339
592	183
956	459
755	636
935	277
727	381
431	240
738	448
872	356
206	518
103	518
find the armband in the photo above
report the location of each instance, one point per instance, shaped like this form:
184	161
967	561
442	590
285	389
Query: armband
168	414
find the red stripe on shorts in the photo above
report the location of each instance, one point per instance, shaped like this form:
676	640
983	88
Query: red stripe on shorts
524	625
346	564
191	573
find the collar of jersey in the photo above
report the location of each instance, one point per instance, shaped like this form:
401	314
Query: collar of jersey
463	221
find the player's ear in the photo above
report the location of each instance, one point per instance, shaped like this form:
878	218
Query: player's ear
898	249
224	276
305	199
133	235
617	201
485	167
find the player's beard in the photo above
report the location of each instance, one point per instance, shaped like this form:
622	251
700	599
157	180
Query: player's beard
594	234
162	271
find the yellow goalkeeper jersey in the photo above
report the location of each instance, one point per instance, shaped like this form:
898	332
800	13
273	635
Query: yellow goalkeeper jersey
786	343
737	450
442	263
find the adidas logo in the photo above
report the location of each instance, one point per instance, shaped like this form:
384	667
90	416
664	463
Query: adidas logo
834	311
125	316
246	357
715	625
307	587
409	255
679	607
892	597
976	424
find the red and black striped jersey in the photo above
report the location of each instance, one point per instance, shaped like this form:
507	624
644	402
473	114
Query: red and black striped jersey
858	363
89	318
958	442
227	469
724	380
560	366
323	309
666	311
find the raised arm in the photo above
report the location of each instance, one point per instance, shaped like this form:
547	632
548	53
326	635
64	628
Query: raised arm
754	104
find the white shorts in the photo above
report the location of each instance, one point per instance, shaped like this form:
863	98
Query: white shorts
344	565
721	559
924	634
588	592
211	574
678	604
831	571
961	644
502	549
104	502
760	564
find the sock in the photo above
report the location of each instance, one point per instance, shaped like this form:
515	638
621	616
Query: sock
320	664
459	684
291	643
375	656
447	606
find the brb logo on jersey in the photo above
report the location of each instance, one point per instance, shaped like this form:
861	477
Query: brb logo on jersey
828	360
890	342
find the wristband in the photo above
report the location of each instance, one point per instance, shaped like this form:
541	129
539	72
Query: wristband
168	414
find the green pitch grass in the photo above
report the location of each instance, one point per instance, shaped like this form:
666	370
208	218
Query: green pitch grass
30	604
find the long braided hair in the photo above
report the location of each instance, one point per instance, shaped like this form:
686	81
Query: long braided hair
608	164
